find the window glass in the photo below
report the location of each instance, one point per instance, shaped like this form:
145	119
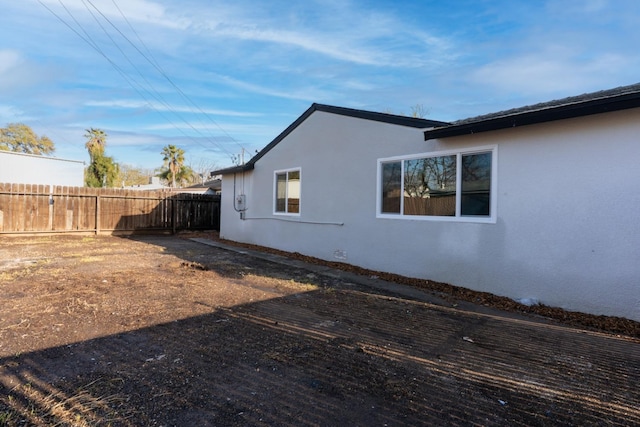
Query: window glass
293	192
447	185
281	192
430	186
476	184
391	187
287	192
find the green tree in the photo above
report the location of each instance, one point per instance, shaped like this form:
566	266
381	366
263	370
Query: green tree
102	170
21	138
176	171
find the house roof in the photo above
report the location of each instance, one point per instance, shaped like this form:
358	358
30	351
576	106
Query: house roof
361	114
38	156
620	98
214	184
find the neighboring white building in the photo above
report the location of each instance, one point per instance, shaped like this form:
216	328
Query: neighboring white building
19	168
537	203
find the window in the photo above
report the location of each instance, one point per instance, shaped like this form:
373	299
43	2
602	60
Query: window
452	184
287	192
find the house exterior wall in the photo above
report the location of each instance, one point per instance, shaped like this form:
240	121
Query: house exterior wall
18	168
565	233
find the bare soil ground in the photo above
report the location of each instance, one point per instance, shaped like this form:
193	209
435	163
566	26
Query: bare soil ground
166	331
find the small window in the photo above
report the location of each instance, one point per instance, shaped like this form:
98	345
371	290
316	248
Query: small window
439	185
287	190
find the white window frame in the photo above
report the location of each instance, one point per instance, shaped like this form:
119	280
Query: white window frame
275	192
492	218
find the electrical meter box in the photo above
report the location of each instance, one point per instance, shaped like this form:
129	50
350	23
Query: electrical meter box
241	202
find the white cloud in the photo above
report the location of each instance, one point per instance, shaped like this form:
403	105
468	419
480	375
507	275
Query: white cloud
359	85
307	93
350	33
11	114
325	46
595	5
232	128
136	104
9	59
548	73
17	73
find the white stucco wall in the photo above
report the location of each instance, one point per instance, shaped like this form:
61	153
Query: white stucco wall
566	231
17	168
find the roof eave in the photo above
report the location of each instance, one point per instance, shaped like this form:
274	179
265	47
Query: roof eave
567	111
234	169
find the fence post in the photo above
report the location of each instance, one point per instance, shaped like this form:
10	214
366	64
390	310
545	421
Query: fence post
51	202
174	213
97	214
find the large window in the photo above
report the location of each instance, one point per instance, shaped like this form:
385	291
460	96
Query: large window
452	184
287	192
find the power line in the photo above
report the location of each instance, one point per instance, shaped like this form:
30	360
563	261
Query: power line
152	90
135	32
164	74
135	85
117	68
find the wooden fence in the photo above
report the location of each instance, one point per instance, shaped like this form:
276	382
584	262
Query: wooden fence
28	208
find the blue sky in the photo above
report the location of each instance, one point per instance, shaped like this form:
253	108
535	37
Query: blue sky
214	77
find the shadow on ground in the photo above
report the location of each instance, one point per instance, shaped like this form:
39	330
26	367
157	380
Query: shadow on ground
337	354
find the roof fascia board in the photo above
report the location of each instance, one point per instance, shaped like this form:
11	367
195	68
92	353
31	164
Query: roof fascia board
414	122
234	169
560	112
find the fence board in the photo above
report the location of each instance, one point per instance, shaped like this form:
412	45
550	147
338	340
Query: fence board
34	208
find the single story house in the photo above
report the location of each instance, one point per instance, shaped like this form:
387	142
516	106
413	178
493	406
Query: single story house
211	187
539	203
19	168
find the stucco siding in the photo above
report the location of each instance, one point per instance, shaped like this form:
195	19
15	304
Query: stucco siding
566	230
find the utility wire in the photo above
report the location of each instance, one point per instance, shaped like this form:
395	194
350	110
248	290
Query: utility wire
91	43
165	75
153	61
151	90
89	40
136	33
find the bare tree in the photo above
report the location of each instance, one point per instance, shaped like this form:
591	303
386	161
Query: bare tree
202	168
131	175
419	111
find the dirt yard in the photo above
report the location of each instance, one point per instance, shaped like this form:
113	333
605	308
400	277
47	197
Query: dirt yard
167	331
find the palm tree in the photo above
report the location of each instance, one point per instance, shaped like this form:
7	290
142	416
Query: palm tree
102	170
96	141
174	160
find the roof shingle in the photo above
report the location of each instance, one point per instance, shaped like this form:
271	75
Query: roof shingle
619	98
